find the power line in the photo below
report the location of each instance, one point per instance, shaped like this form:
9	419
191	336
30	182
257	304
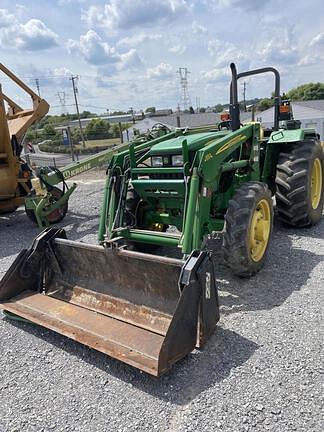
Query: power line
75	91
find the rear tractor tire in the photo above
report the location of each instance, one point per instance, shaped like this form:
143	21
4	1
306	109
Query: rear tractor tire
300	184
248	228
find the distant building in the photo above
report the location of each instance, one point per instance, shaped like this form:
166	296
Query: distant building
159	112
310	113
112	119
197	119
189	120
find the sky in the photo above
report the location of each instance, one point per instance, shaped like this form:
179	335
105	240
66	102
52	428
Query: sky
127	53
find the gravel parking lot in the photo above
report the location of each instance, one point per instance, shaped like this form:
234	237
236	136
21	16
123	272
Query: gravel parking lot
262	370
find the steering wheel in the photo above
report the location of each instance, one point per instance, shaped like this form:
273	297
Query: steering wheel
158	126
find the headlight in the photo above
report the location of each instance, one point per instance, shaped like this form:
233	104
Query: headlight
177	160
157	161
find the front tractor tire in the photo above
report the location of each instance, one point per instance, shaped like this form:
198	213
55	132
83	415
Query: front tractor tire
248	228
300	184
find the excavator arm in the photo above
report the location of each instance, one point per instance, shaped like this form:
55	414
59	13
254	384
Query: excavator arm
20	119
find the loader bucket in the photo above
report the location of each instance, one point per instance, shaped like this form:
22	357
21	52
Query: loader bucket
145	310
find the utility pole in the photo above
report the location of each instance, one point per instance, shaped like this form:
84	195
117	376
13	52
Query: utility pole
132	112
185	99
198	103
37	86
75	91
68	130
244	94
121	133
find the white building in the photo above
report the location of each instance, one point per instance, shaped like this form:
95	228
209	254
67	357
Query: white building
310	113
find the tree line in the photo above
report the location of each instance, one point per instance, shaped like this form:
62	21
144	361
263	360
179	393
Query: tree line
96	129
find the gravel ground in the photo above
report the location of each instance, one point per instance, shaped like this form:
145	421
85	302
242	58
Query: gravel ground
261	370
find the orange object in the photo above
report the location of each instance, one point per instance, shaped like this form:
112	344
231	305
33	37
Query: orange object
225	116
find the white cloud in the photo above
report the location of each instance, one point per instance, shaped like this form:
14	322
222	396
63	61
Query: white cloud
60	76
314	52
310	59
198	28
177	49
65	2
5	18
215	46
248	5
224	53
93	49
61	72
132	13
216	75
130	60
160	72
138	39
33	35
318	40
99	53
280	52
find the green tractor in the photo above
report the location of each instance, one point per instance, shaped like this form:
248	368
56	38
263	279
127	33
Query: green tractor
125	297
217	179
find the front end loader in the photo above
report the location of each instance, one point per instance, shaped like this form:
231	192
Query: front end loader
147	294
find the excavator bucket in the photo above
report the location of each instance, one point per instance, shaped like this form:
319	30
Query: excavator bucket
148	311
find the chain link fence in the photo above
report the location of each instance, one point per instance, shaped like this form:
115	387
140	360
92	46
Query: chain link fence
39	160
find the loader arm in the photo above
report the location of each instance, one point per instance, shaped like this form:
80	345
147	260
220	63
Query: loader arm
40	203
212	158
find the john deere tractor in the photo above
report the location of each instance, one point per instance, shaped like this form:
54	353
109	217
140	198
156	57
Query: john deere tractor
217	179
123	297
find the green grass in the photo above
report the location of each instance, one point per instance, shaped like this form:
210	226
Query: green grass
99	143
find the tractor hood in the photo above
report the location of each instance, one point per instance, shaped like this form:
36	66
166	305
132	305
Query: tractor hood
194	142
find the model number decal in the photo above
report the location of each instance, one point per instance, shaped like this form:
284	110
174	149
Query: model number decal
225	146
230	143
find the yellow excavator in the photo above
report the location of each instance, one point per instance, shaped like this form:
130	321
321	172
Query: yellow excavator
15	174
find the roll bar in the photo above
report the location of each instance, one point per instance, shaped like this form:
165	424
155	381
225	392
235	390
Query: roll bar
234	105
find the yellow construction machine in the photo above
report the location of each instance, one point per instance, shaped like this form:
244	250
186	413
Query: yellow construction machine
15	174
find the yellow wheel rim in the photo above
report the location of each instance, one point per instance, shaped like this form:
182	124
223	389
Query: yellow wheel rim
316	183
260	228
